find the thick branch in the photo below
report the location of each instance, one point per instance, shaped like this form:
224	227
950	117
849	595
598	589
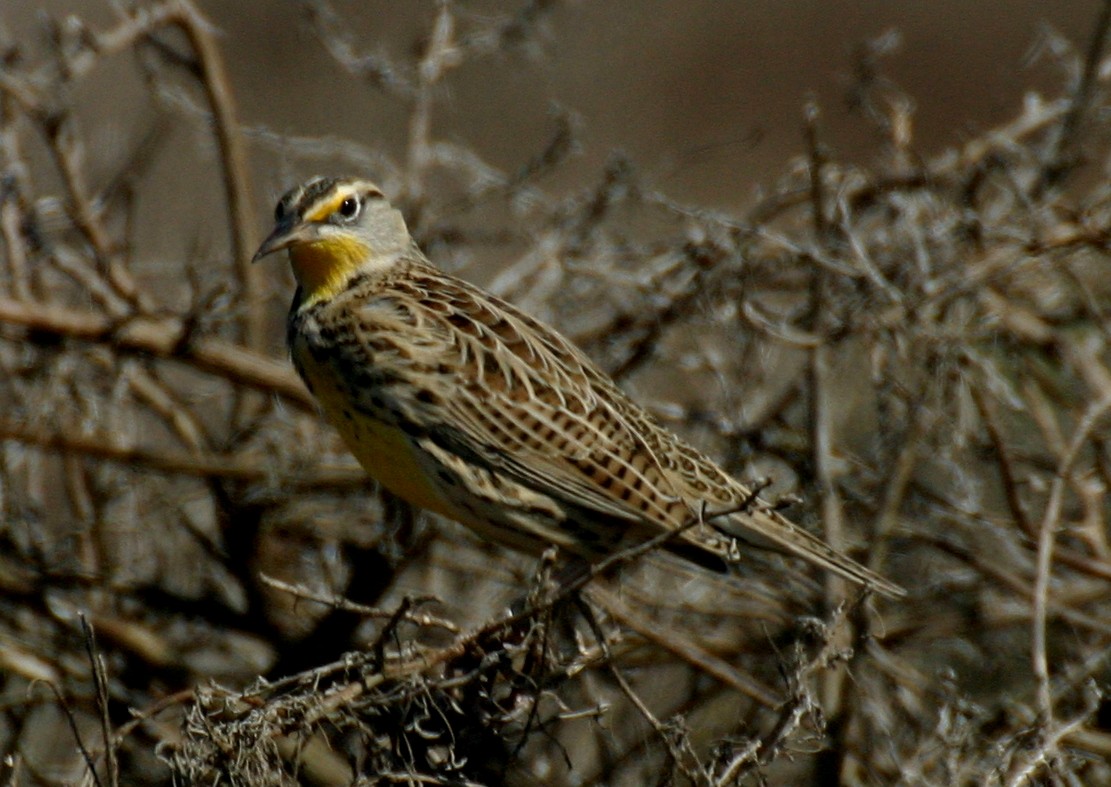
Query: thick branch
164	337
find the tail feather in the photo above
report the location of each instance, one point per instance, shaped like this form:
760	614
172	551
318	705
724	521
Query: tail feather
771	529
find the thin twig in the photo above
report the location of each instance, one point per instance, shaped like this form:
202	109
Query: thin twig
236	175
1062	158
71	720
337	602
200	465
100	680
696	774
1047	531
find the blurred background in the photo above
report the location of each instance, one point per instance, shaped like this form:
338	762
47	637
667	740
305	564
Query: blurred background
706	97
893	305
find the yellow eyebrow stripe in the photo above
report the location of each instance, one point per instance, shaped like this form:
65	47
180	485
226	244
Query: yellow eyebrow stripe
323	210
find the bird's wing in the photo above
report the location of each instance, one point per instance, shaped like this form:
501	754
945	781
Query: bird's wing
517	398
525	402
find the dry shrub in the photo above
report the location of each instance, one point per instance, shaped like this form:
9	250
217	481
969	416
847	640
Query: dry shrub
918	347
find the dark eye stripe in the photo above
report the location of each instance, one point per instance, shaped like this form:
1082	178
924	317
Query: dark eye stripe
316	190
309	198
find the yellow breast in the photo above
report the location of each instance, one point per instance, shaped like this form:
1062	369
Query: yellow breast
385	451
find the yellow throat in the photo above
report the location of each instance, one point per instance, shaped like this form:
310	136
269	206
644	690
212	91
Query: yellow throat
324	267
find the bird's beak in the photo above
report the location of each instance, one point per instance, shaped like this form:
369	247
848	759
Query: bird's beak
283	236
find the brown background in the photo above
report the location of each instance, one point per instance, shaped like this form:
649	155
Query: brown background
705	96
706	100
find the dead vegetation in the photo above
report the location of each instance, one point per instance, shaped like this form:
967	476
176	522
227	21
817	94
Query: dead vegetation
198	586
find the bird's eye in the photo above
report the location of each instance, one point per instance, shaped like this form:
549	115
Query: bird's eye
279	211
349	208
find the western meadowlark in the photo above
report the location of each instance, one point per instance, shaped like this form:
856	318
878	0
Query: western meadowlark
462	404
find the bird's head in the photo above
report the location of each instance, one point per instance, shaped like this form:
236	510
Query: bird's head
335	229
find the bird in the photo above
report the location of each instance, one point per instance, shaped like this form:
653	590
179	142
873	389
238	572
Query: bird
462	404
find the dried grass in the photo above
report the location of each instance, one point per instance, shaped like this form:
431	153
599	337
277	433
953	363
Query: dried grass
919	347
